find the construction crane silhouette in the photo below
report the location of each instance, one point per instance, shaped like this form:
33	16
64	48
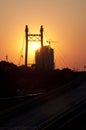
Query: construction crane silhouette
50	41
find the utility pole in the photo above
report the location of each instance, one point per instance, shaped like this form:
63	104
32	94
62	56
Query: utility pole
26	49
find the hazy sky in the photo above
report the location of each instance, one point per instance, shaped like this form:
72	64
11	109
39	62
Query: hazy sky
64	21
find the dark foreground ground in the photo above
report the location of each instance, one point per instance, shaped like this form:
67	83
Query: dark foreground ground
32	99
60	108
21	81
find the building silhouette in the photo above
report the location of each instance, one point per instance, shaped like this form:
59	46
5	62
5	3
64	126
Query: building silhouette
44	58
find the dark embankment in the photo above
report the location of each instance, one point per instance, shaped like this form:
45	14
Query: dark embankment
16	80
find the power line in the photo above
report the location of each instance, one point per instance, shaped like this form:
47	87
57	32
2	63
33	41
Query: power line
65	57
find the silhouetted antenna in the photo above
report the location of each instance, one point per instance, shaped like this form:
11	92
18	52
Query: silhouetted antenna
6	57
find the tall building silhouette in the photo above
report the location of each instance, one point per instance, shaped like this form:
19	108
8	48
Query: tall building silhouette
45	56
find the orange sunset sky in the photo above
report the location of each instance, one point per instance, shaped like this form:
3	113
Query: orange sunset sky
64	23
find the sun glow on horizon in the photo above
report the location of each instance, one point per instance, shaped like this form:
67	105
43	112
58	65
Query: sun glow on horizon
35	46
32	47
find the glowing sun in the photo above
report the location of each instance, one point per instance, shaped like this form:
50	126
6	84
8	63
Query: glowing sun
35	46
